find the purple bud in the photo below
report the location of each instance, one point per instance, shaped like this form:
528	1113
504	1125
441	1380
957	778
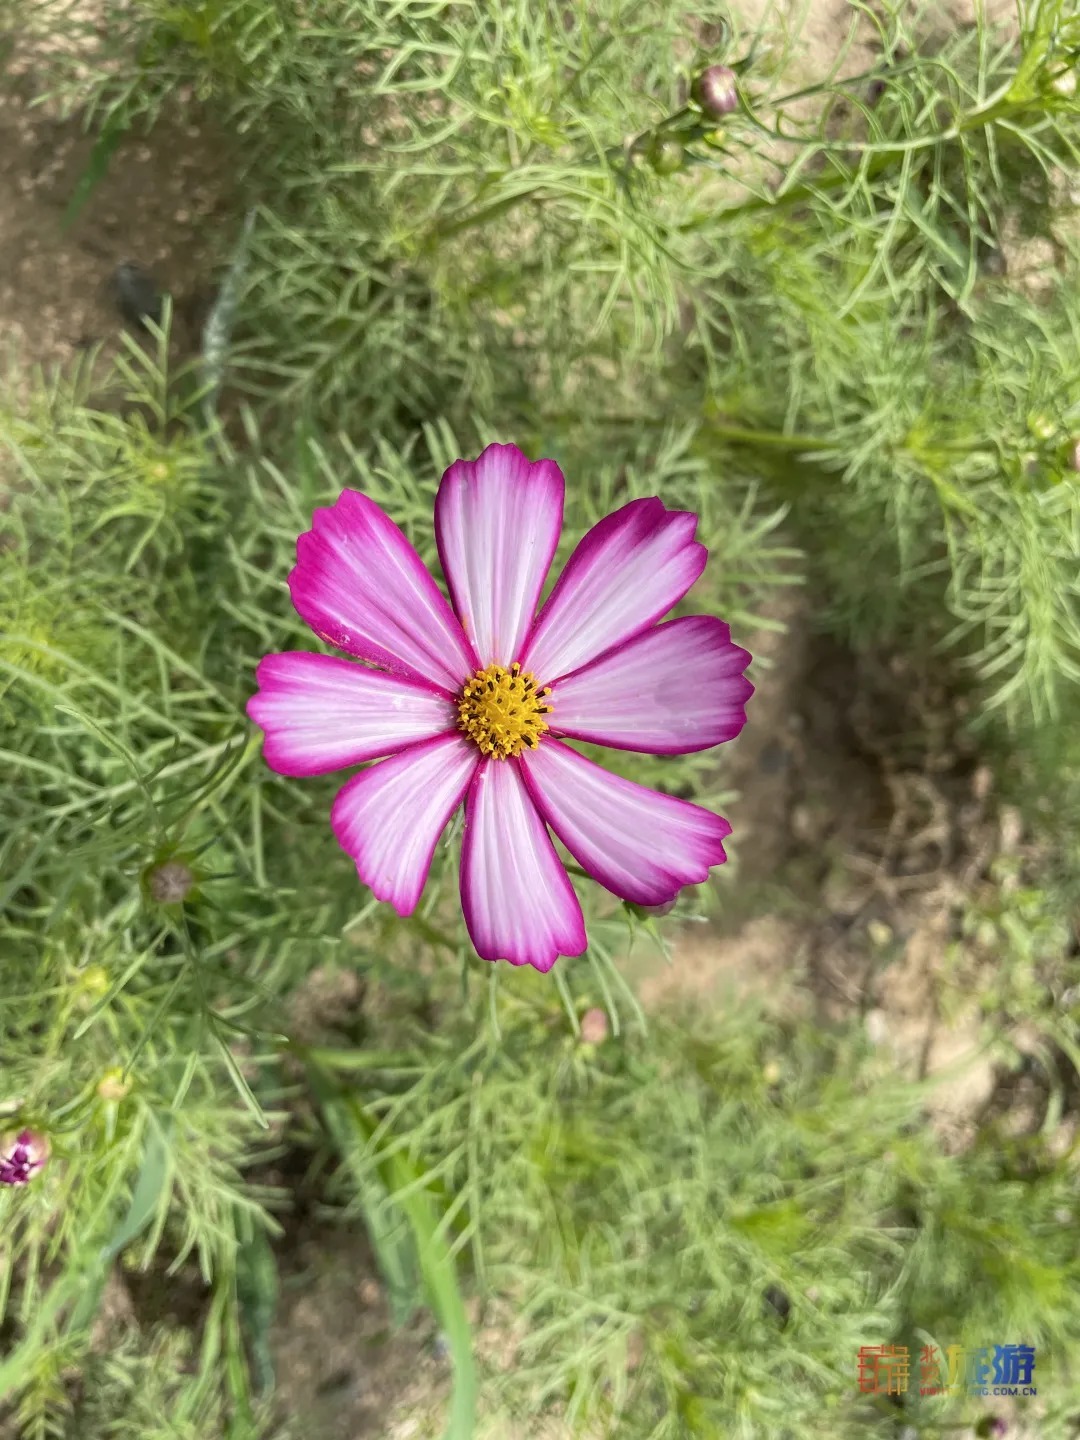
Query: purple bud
716	90
22	1156
998	1427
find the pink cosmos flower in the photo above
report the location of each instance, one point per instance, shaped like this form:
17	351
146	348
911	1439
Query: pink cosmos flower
474	704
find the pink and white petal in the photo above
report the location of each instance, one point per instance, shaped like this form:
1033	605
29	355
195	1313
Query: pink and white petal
497	523
389	817
674	689
641	845
626	573
320	713
359	584
517	899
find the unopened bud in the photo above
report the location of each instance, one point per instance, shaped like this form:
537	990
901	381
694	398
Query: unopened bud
666	157
170	883
716	90
22	1156
113	1085
1073	459
594	1026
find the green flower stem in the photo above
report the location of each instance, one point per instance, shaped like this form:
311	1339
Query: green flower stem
774	439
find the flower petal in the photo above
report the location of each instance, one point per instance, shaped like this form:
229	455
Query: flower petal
627	572
673	689
641	845
518	901
497	522
390	816
320	712
360	585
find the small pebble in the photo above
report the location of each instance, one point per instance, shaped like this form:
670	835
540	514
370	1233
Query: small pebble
774	758
135	294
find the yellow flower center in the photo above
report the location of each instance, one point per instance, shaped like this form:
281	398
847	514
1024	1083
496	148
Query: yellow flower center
502	711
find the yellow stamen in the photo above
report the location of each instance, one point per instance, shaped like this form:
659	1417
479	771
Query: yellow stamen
502	711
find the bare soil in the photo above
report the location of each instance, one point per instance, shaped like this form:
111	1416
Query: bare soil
165	203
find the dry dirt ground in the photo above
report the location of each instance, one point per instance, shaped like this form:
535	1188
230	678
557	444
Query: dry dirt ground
856	784
164	204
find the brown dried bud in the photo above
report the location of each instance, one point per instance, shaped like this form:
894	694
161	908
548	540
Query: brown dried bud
170	883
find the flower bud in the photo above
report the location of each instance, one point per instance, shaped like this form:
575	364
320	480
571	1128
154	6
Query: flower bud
22	1156
716	90
594	1026
666	157
113	1085
1073	458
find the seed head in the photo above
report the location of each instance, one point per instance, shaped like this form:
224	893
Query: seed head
171	882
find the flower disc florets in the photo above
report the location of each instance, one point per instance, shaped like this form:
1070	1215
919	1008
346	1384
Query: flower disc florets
502	711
